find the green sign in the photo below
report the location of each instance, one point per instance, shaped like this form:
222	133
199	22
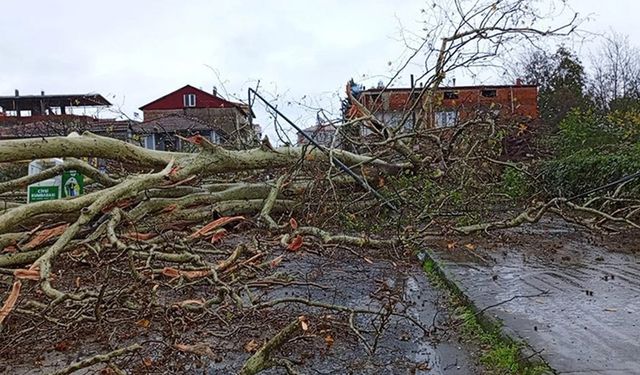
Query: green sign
72	184
43	193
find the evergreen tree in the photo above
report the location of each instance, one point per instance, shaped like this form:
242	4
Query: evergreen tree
561	79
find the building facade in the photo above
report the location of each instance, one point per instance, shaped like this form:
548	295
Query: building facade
322	134
30	116
168	133
229	119
448	107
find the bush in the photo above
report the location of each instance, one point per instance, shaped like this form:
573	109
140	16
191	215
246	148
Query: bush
515	183
584	130
591	151
587	169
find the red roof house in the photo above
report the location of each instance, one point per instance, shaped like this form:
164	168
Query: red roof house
231	117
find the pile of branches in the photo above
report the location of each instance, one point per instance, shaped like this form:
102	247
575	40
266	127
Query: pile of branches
200	234
137	244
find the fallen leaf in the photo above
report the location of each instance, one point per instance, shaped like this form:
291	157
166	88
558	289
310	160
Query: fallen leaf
62	346
199	349
218	235
470	246
10	302
147	361
328	339
451	245
276	261
293	223
78	282
215	224
175	273
522	128
195	274
251	346
108	371
144	323
296	244
303	323
423	367
171	272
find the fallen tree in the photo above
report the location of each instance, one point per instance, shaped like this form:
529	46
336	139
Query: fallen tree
188	237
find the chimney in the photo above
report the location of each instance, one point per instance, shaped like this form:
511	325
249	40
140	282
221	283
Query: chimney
518	81
42	93
17	92
215	91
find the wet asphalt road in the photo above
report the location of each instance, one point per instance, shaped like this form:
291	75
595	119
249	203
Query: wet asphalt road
588	320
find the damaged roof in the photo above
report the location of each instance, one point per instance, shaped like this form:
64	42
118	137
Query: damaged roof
24	102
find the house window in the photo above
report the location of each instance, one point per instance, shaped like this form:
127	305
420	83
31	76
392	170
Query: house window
189	100
150	141
446	119
215	138
489	93
450	95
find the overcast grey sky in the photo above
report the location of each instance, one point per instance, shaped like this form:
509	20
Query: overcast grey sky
136	51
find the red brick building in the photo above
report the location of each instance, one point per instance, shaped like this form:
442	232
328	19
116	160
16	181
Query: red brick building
229	119
450	106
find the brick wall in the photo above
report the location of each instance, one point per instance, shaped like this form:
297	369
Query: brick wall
466	101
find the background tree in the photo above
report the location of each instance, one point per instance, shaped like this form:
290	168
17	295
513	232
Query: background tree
561	78
615	75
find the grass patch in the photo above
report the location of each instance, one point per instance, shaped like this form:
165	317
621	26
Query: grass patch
499	354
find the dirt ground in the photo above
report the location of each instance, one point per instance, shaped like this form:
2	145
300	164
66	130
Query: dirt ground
380	281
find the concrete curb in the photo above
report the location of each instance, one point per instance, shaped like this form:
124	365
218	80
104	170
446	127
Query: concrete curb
489	323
